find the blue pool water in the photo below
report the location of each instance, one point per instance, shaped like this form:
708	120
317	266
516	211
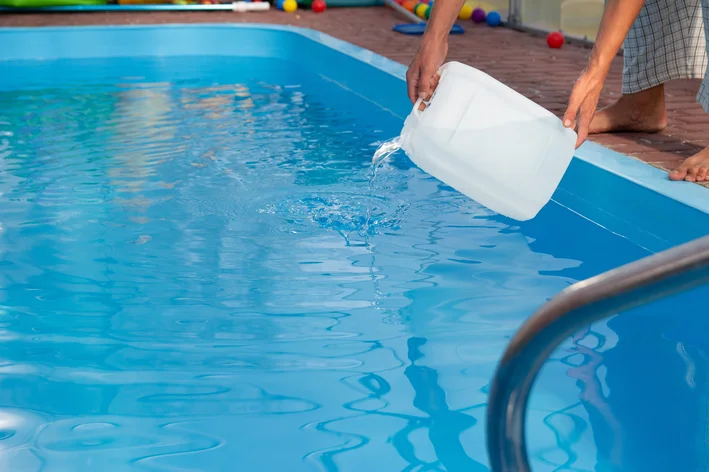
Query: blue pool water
198	273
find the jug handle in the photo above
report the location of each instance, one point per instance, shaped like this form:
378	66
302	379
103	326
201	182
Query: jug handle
418	103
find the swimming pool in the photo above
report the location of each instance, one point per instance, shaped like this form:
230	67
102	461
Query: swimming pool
199	273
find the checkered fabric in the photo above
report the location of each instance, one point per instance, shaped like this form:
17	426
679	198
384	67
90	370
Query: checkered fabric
666	42
703	95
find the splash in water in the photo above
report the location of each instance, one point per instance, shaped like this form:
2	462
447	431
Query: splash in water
386	149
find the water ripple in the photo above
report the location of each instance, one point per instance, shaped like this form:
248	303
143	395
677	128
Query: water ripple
196	273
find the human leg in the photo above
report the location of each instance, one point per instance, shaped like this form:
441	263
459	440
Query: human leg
696	167
666	42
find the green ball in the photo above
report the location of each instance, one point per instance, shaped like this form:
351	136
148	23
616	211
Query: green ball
427	13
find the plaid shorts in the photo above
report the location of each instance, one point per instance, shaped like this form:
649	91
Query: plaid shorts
667	42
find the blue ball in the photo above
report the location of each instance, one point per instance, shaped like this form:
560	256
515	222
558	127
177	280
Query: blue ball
493	19
279	4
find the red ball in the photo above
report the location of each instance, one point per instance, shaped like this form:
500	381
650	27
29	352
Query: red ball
319	6
555	40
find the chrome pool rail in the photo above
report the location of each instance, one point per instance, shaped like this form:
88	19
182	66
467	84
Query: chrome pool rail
654	277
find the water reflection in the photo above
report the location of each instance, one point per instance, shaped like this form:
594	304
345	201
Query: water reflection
180	283
444	425
641	404
654	399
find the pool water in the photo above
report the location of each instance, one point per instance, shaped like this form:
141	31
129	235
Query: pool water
196	275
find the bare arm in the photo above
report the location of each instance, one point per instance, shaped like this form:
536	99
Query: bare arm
421	77
618	17
443	16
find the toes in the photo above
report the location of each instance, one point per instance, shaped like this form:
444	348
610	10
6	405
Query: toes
691	174
702	174
679	173
693	169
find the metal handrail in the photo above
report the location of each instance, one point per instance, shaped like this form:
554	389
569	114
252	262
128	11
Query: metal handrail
658	276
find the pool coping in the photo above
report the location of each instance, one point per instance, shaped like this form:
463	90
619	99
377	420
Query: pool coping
624	166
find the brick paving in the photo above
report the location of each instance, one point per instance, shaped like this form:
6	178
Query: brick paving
521	60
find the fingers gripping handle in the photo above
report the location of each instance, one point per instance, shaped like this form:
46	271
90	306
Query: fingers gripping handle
417	106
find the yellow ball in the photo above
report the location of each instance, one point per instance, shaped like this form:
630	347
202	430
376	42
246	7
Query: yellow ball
420	10
466	12
290	6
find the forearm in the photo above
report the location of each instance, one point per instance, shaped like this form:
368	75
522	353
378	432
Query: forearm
618	17
443	16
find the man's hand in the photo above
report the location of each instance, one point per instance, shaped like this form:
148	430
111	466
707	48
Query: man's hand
618	17
583	102
422	76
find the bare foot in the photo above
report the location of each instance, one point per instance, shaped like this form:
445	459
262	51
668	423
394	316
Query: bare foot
638	112
694	168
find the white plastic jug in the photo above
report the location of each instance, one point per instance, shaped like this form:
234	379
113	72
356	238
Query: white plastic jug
489	142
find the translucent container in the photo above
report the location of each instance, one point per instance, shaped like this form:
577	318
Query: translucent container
489	142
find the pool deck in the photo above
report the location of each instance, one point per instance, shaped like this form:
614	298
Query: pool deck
521	60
